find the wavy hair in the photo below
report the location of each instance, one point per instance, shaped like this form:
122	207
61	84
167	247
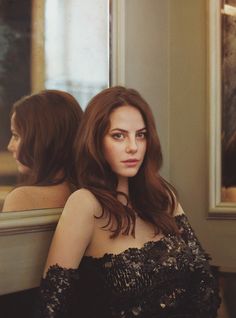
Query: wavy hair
151	197
47	123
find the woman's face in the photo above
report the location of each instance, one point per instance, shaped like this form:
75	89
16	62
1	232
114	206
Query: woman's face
125	143
14	146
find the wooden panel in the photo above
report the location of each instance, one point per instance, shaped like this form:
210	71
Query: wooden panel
24	241
22	260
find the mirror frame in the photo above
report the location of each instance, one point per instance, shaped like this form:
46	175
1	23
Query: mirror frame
217	208
28	221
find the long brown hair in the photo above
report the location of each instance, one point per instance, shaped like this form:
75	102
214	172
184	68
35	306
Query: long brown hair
150	196
47	123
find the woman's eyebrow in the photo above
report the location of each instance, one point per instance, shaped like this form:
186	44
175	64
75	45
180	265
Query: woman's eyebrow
120	129
125	131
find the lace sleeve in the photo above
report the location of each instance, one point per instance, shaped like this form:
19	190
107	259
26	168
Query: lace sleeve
56	293
205	298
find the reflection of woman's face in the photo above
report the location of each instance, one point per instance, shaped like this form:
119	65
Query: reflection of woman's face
125	143
14	146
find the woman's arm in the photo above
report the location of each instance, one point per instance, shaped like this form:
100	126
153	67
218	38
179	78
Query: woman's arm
74	231
72	236
204	291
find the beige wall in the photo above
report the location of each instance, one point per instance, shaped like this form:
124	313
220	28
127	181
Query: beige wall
166	59
146	59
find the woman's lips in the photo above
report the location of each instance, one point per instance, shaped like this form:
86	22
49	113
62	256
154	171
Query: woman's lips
130	162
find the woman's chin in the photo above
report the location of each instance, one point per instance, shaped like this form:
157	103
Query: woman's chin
22	169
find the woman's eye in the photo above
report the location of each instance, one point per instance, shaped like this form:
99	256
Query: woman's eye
141	135
15	136
118	136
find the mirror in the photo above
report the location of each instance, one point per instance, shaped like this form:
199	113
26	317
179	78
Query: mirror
50	44
222	115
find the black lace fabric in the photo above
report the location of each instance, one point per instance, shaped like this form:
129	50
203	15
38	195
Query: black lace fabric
169	278
56	292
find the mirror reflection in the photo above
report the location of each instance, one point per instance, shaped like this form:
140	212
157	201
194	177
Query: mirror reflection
43	128
46	45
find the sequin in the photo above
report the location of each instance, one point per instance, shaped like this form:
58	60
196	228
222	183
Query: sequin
169	278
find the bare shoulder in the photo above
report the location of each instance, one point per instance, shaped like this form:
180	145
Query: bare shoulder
18	199
21	190
76	225
83	201
179	210
228	194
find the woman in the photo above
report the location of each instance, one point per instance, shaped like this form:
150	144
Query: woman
43	127
123	246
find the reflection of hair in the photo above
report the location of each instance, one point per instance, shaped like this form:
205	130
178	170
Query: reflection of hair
47	123
150	196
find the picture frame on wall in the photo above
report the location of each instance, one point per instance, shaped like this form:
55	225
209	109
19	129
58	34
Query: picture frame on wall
222	107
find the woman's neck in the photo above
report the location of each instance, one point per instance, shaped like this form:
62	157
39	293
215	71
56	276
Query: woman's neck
123	186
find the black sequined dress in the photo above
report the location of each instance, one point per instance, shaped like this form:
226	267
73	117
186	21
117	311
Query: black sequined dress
168	278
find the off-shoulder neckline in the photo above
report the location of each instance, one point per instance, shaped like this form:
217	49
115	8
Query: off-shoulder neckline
111	256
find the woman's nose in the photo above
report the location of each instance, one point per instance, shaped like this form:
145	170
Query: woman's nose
132	146
10	146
